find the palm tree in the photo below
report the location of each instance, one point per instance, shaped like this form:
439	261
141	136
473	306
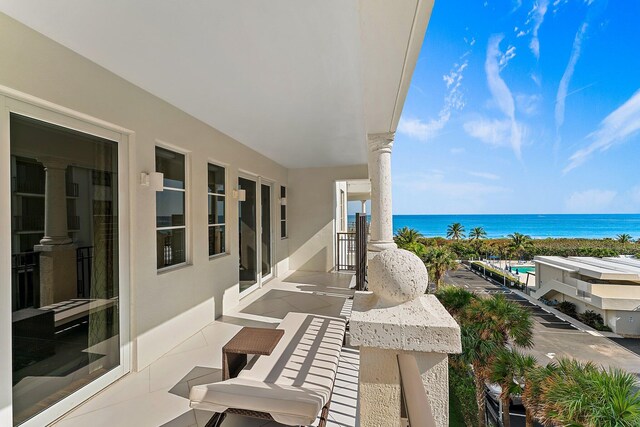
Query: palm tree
454	299
534	377
455	231
477	233
577	393
519	243
624	239
508	368
487	324
406	236
438	260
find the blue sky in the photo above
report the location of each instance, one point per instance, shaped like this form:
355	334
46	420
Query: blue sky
523	107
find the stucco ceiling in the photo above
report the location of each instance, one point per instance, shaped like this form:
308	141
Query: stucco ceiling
299	81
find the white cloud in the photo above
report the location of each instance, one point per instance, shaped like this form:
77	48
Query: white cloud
501	92
528	104
590	201
568	74
508	55
485	175
614	129
454	100
493	132
418	129
537	16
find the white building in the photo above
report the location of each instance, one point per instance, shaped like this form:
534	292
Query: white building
204	145
608	286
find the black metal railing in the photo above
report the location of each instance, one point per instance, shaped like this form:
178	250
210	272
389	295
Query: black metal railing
345	251
362	234
25	280
28	222
73	222
73	189
28	186
84	259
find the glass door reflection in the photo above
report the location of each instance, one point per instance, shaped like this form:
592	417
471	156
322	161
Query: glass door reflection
265	252
247	233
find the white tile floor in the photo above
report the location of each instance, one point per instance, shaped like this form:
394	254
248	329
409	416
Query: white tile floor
158	395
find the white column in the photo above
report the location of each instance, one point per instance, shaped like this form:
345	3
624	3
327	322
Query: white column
364	207
55	203
380	145
58	274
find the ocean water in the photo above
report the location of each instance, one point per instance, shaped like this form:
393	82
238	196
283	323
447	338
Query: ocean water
536	226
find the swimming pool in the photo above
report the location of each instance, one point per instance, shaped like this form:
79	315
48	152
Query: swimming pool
523	269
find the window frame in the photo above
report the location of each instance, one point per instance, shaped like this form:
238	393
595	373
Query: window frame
284	221
12	101
226	208
187	182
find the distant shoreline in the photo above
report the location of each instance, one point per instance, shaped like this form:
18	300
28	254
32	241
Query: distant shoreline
538	226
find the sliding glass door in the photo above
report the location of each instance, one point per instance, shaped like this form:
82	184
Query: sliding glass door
266	247
255	233
247	234
65	284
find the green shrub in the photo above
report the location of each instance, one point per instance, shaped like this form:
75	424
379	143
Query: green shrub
567	308
463	393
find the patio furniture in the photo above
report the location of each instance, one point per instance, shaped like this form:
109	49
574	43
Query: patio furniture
291	386
258	341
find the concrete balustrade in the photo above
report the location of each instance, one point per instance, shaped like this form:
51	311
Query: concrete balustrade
397	318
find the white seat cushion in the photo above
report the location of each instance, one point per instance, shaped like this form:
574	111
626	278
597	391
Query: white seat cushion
293	383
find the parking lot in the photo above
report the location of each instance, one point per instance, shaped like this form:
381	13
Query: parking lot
555	337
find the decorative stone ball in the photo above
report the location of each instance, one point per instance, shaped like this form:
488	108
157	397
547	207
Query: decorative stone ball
397	276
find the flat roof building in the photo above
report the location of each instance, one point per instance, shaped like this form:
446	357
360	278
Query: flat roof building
609	286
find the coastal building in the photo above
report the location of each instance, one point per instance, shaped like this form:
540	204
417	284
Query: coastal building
608	286
172	172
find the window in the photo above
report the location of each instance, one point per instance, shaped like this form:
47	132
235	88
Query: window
53	357
283	212
171	226
217	203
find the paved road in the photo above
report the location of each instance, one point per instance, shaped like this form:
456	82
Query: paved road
554	337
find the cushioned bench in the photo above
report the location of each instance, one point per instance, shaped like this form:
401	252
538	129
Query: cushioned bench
292	385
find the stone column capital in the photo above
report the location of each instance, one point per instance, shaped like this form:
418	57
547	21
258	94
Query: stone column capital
381	142
53	162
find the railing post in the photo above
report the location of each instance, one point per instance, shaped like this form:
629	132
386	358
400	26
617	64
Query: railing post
397	318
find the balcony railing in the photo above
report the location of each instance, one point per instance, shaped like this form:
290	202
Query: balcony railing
29	186
28	222
25	280
73	222
416	408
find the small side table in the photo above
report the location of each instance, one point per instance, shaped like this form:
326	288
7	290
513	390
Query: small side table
260	341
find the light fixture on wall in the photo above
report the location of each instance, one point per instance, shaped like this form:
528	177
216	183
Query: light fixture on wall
153	180
283	201
241	195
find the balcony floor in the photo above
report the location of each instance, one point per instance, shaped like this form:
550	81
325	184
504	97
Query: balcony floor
158	395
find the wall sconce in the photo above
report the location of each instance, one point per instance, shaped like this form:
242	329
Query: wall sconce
241	195
283	201
153	180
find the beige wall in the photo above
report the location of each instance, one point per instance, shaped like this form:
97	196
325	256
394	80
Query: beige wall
312	201
545	273
166	308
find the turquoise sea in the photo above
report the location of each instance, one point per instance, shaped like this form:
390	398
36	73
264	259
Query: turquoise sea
537	226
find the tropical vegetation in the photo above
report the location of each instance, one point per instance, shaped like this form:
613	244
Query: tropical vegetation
455	231
565	392
486	326
438	262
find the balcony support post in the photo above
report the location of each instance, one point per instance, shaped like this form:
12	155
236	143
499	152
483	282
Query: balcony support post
58	269
379	162
397	318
